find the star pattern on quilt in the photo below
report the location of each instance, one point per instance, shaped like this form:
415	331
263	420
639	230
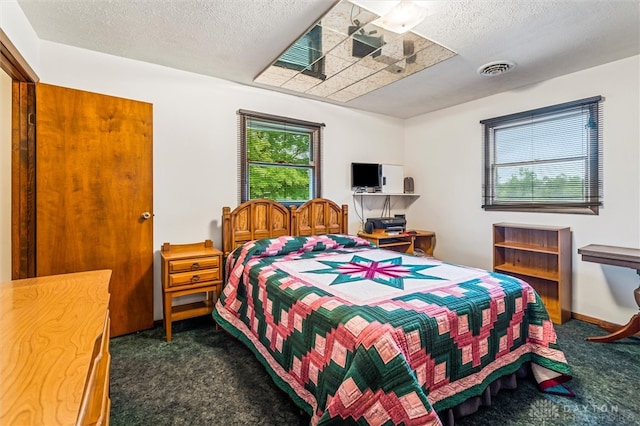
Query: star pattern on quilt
390	272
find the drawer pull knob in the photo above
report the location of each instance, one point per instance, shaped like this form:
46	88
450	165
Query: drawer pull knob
195	278
195	266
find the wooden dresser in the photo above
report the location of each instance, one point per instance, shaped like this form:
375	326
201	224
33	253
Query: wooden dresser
54	359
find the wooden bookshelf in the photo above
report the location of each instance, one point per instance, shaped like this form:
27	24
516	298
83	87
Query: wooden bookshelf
541	256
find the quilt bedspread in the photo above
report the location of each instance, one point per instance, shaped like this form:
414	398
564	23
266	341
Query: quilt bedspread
357	334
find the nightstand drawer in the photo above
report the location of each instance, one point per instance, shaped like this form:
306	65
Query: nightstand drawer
194	277
194	264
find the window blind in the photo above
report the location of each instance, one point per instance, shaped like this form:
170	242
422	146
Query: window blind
545	159
305	55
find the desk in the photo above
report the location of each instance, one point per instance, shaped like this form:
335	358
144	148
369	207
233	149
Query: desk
406	242
617	256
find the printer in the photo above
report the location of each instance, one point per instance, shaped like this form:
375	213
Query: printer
387	224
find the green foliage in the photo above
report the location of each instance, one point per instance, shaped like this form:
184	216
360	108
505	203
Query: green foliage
279	165
526	186
271	146
279	183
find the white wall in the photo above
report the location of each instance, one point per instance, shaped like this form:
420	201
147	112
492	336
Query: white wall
443	151
15	25
195	137
5	176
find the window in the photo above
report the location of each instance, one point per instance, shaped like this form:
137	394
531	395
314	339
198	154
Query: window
279	158
305	55
548	159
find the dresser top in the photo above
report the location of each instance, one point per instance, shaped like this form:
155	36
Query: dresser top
48	329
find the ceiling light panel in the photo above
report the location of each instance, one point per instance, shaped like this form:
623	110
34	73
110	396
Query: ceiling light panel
403	17
345	56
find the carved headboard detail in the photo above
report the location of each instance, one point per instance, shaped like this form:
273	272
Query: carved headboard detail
318	217
253	220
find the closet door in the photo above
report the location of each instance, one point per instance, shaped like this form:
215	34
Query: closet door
94	195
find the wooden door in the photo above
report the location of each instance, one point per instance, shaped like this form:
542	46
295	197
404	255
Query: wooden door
93	186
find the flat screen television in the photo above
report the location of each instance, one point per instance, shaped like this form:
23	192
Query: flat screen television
366	176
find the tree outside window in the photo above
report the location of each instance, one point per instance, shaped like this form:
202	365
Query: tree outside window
279	158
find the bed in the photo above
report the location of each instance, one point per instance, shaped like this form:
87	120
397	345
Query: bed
362	335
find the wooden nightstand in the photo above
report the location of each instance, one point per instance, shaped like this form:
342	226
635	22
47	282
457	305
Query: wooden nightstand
189	269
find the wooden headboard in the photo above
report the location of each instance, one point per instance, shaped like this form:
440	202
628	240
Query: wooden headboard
253	220
264	218
318	217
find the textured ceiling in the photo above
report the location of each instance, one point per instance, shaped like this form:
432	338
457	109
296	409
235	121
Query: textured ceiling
237	39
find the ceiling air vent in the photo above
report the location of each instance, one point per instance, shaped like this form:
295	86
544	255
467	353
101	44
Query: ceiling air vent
496	68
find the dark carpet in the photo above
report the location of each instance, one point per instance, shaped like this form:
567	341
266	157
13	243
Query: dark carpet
205	377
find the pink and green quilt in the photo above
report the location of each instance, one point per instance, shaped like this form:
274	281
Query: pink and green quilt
360	335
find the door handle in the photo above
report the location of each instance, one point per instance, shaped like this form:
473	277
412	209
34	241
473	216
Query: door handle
145	215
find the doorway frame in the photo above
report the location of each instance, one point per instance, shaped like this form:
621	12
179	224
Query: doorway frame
23	156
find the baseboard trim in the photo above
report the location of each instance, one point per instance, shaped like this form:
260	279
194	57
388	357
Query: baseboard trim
605	325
